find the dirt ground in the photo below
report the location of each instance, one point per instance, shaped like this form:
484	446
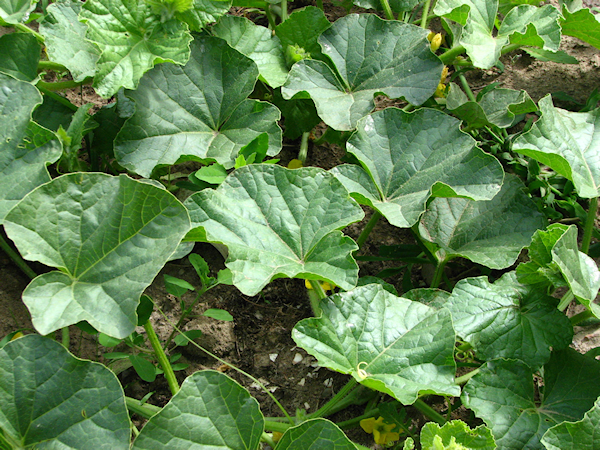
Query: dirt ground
258	340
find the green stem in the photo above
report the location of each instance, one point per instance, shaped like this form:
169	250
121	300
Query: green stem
351	423
584	315
509	48
284	10
388	11
49	65
162	358
466	377
273	425
466	87
425	14
429	411
17	259
565	300
450	55
237	369
61	85
185	313
439	271
320	4
60	99
268	439
464	347
269	15
364	235
26	29
145	410
303	153
589	225
326	409
66	340
315	295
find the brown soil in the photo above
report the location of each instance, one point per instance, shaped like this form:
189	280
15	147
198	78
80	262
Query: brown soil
258	340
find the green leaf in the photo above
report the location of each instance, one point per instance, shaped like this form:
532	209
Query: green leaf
371	56
580	271
397	6
568	142
523	25
13	12
387	343
434	298
491	233
202	270
300	115
315	434
25	147
108	341
50	399
500	107
546	55
177	286
81	124
19	56
209	411
581	435
278	223
257	43
183	339
144	368
218	314
204	12
199	111
503	395
213	174
581	24
144	310
302	29
458	433
65	39
407	156
508	320
132	40
108	236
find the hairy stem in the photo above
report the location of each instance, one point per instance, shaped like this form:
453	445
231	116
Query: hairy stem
145	410
303	153
328	407
20	262
61	85
450	55
49	65
429	411
24	28
364	235
162	358
466	377
425	14
589	225
466	87
439	272
387	9
584	315
565	300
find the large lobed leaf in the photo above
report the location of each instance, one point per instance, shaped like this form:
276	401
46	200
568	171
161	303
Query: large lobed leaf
65	39
387	343
278	222
50	399
508	320
209	411
108	236
13	12
369	56
19	56
132	40
503	395
491	232
315	434
581	435
25	147
408	156
198	111
568	142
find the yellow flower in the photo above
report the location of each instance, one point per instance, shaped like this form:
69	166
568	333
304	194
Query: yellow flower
381	430
435	39
294	164
324	284
441	89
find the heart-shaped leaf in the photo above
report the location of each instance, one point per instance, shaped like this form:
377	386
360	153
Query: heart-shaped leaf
50	399
258	44
508	320
491	233
25	147
65	39
197	111
581	24
500	107
387	343
19	56
108	236
523	25
581	435
370	56
503	395
209	411
278	222
315	433
131	39
302	29
407	156
569	143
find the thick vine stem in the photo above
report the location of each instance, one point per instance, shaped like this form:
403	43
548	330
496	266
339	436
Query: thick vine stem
162	358
589	225
565	300
425	14
20	262
387	9
439	272
429	411
364	235
61	85
146	410
326	409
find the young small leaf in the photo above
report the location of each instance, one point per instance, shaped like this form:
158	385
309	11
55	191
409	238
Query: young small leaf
176	286
183	339
144	368
218	314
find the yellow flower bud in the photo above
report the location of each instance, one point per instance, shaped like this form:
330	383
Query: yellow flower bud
436	42
294	164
